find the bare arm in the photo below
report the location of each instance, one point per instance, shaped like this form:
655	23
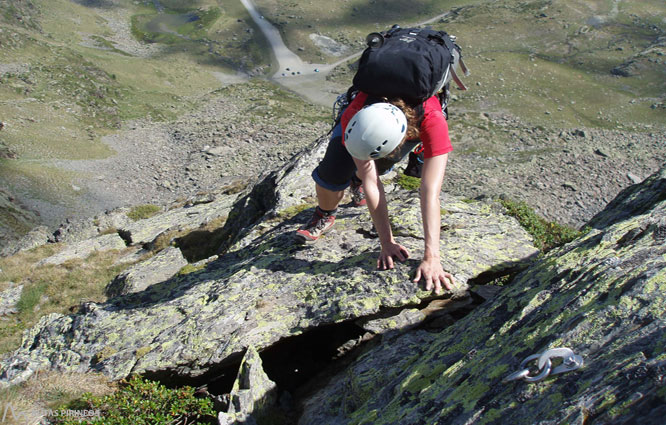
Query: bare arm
376	201
431	185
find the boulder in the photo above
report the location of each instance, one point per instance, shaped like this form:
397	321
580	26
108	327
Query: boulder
145	231
9	298
602	296
137	278
81	250
266	287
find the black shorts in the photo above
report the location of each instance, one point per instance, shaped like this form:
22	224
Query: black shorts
335	170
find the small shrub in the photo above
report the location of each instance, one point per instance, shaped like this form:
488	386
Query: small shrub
547	234
140	401
140	212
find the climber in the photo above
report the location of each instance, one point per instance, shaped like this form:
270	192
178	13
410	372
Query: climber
378	133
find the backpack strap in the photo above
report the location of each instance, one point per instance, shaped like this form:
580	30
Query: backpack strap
455	78
454	49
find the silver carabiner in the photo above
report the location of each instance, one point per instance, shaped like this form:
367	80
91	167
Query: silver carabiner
524	373
544	368
570	360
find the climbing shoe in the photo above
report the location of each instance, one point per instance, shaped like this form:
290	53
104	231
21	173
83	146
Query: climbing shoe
319	224
357	193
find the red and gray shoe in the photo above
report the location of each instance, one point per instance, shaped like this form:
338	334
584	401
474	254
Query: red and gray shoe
319	224
357	193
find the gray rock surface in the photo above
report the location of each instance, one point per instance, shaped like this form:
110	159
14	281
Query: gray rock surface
266	287
145	231
603	296
252	395
36	237
82	250
9	298
137	278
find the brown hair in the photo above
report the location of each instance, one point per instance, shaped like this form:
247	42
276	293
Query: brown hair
413	117
413	125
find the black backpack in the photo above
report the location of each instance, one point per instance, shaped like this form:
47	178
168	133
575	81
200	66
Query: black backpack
410	63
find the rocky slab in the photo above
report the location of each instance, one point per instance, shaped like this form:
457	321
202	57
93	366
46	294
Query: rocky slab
266	287
603	296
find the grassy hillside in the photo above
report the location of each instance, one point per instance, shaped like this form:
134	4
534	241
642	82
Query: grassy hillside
564	63
73	71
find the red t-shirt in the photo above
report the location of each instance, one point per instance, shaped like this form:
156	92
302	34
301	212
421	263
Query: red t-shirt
434	131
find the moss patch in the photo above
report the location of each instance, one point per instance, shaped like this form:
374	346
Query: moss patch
408	182
140	212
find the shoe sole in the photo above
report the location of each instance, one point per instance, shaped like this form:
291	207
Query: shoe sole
302	239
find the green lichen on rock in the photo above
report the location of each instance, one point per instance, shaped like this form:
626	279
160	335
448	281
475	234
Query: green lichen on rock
104	354
265	287
602	295
408	182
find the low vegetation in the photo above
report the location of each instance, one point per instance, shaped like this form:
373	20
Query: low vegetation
547	234
140	401
140	212
51	289
408	182
30	401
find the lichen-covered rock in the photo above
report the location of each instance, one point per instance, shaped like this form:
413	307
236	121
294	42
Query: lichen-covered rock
267	288
603	296
633	201
9	298
158	268
253	393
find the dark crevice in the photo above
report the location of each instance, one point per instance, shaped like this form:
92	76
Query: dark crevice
301	365
503	273
246	212
293	361
217	380
201	244
126	236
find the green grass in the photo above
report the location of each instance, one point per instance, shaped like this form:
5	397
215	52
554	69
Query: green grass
547	234
552	70
345	22
140	212
30	297
51	289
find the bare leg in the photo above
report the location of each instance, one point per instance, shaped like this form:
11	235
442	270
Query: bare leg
328	199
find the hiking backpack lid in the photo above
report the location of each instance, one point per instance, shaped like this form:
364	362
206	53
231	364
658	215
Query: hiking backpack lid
410	63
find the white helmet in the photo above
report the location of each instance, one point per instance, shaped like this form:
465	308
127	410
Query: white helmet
375	131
